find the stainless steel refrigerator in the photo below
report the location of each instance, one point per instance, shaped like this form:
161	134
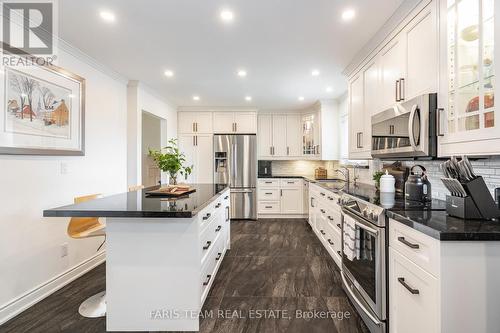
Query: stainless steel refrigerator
235	163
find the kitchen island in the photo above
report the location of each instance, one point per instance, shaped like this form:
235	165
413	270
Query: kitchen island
162	254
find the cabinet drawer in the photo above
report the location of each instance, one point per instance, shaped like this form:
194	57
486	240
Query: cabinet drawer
413	297
269	207
269	182
209	267
291	182
421	249
335	221
268	194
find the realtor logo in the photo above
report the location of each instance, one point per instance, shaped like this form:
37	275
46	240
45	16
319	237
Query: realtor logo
28	27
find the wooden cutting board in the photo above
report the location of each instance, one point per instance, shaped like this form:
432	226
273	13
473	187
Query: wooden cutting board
171	191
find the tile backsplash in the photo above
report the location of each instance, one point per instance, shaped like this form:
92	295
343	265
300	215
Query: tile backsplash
489	169
303	168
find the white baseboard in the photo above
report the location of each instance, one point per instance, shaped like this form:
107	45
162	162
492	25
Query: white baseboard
23	302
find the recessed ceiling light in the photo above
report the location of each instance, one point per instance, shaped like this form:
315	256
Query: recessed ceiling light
301	98
107	16
329	89
348	14
242	73
248	98
196	98
169	73
315	72
227	15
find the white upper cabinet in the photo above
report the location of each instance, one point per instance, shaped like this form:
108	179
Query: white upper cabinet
245	122
194	122
293	135
393	71
279	136
468	118
359	131
421	54
198	150
235	122
372	80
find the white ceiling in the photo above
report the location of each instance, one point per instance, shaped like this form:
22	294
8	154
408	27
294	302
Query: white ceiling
278	42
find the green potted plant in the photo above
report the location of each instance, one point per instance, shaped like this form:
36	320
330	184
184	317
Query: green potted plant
376	177
172	161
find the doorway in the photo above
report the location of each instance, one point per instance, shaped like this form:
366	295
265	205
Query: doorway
154	136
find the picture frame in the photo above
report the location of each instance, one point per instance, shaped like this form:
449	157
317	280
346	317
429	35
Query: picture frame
43	111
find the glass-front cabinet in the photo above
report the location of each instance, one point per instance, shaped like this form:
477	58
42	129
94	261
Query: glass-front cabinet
310	135
468	83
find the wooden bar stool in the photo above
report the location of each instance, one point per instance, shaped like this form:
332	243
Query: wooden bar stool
86	227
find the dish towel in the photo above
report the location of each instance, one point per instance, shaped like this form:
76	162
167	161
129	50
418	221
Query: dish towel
349	247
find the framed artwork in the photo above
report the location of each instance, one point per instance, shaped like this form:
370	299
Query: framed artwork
43	111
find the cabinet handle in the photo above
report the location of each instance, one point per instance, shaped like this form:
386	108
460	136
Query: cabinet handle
268	193
322	232
227	213
194	140
288	150
340	254
270	150
391	129
323	211
330	241
218	228
209	276
269	207
312	202
226	197
322	194
219	255
208	245
330	218
330	198
402	92
339	226
405	242
410	289
268	182
206	217
218	205
281	193
360	139
439	111
194	128
397	91
236	127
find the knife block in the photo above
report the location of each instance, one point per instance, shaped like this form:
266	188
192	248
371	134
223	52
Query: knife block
479	204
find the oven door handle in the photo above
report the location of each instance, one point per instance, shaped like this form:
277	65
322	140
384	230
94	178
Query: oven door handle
361	221
365	310
411	122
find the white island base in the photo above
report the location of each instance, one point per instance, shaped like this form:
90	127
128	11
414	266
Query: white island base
160	270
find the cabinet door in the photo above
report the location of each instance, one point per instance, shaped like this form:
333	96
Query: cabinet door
204	123
204	159
223	122
187	147
421	39
264	135
279	135
245	122
393	64
413	297
293	135
185	122
355	115
371	77
291	200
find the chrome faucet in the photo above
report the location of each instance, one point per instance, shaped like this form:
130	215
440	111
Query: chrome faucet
345	172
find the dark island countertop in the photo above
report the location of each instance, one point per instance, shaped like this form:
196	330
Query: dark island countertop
137	204
439	225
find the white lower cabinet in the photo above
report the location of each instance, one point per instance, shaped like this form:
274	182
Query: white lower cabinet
442	286
325	220
413	297
280	197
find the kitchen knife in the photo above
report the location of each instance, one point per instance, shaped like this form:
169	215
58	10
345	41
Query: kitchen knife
469	166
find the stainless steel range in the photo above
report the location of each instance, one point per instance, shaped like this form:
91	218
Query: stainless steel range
364	260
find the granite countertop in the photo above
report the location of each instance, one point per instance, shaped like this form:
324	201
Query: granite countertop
137	204
439	225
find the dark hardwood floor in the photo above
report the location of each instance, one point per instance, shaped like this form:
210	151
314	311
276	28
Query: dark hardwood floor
276	273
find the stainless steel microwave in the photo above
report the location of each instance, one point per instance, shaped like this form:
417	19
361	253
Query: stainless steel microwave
407	130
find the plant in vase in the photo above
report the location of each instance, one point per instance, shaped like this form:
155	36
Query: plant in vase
171	161
376	177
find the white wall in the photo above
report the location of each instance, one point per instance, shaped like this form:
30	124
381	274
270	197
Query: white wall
30	245
140	98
